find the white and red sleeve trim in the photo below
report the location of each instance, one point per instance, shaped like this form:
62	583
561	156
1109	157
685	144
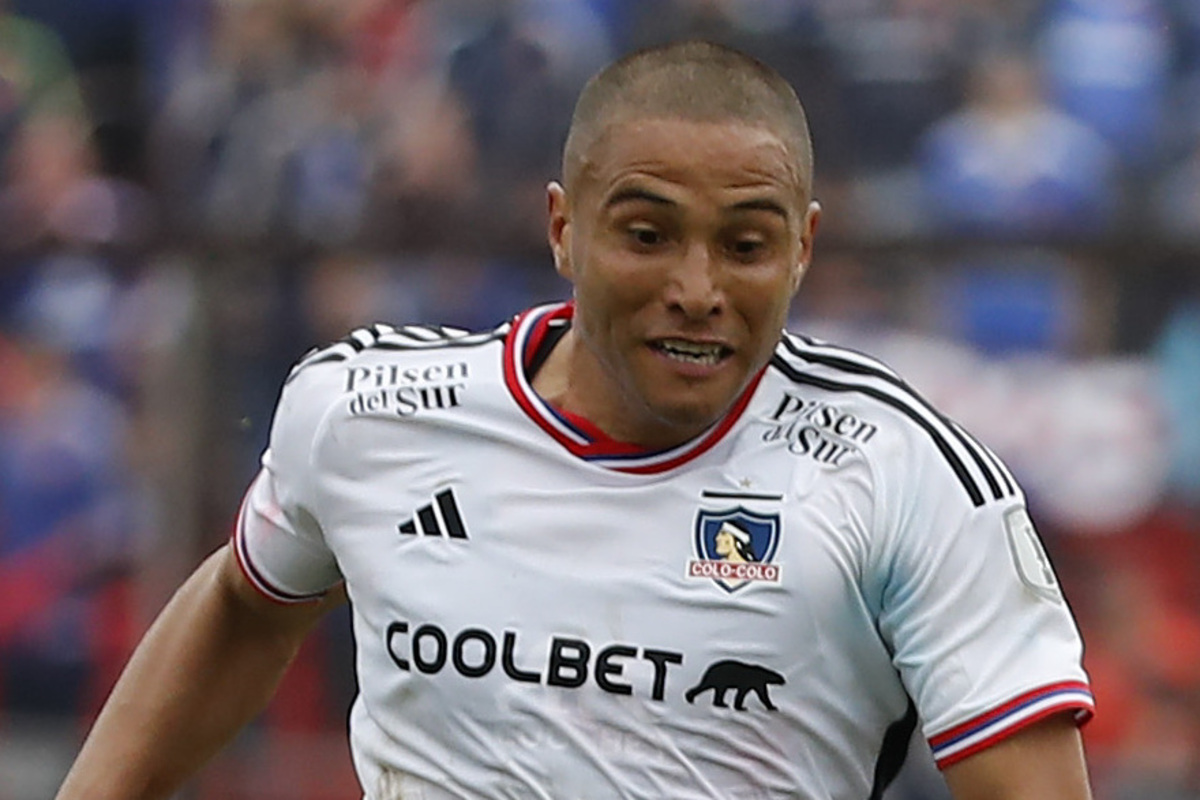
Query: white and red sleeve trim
255	576
985	730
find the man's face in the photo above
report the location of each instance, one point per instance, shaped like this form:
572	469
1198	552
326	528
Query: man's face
685	242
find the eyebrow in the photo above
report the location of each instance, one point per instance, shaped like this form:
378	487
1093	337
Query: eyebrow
763	204
634	194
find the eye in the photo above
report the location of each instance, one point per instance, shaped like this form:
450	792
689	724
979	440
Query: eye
645	235
746	248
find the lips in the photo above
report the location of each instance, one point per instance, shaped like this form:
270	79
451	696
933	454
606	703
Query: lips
692	352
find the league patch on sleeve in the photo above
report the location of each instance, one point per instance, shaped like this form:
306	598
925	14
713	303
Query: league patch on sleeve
1028	554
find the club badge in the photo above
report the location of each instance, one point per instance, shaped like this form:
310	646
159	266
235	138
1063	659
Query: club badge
735	548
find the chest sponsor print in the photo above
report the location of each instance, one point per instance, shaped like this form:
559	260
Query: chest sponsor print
735	547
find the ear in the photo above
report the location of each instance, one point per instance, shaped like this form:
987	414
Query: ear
559	228
808	235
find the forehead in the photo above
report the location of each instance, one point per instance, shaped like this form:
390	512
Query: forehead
726	156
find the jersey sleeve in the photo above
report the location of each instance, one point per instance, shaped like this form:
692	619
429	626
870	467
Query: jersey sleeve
278	539
970	606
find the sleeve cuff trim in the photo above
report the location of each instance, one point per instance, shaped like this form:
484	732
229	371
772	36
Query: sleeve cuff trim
255	577
993	726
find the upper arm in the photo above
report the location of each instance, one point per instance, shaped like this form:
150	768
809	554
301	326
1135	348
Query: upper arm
289	618
1043	761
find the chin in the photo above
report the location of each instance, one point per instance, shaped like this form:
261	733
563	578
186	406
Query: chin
692	419
678	411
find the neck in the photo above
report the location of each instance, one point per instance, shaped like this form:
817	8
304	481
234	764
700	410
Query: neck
572	380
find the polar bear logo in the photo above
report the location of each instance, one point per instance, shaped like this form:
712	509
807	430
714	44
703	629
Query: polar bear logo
740	676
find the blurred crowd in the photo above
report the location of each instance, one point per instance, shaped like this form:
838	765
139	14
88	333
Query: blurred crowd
193	192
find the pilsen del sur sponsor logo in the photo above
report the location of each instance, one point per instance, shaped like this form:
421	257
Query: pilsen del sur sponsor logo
391	389
818	430
735	548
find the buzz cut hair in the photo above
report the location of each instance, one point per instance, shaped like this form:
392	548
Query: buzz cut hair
692	80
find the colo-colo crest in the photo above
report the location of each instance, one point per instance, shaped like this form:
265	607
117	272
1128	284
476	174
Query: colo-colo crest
735	547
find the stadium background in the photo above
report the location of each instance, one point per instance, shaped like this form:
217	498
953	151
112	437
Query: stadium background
193	192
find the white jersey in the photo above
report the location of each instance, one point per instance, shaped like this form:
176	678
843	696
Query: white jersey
767	611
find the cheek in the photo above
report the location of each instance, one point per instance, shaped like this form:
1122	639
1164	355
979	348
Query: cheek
764	318
614	291
597	310
765	306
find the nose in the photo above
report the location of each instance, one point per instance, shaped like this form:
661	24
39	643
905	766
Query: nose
692	286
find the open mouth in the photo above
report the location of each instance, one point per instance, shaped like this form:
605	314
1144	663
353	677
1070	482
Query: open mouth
702	353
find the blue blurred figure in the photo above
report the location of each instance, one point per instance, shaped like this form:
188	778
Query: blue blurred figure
1009	165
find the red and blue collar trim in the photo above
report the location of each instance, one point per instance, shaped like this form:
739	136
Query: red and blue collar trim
580	436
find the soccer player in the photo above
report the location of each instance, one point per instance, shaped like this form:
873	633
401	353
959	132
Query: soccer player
526	521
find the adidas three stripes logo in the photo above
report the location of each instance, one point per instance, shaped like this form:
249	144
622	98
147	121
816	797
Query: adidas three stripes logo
439	518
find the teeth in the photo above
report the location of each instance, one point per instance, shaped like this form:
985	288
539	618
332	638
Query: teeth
692	352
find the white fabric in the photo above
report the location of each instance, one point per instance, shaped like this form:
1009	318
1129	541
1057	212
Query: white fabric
567	636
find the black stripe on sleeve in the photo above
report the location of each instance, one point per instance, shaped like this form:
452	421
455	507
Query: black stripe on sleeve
404	339
386	337
992	458
977	451
321	359
358	344
956	464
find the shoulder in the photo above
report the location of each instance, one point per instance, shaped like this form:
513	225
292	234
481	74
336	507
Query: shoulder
850	392
359	345
366	354
373	359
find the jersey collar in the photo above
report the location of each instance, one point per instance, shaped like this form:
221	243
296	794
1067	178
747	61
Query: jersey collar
579	436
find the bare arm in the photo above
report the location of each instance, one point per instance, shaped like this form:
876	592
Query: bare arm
207	666
1042	762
